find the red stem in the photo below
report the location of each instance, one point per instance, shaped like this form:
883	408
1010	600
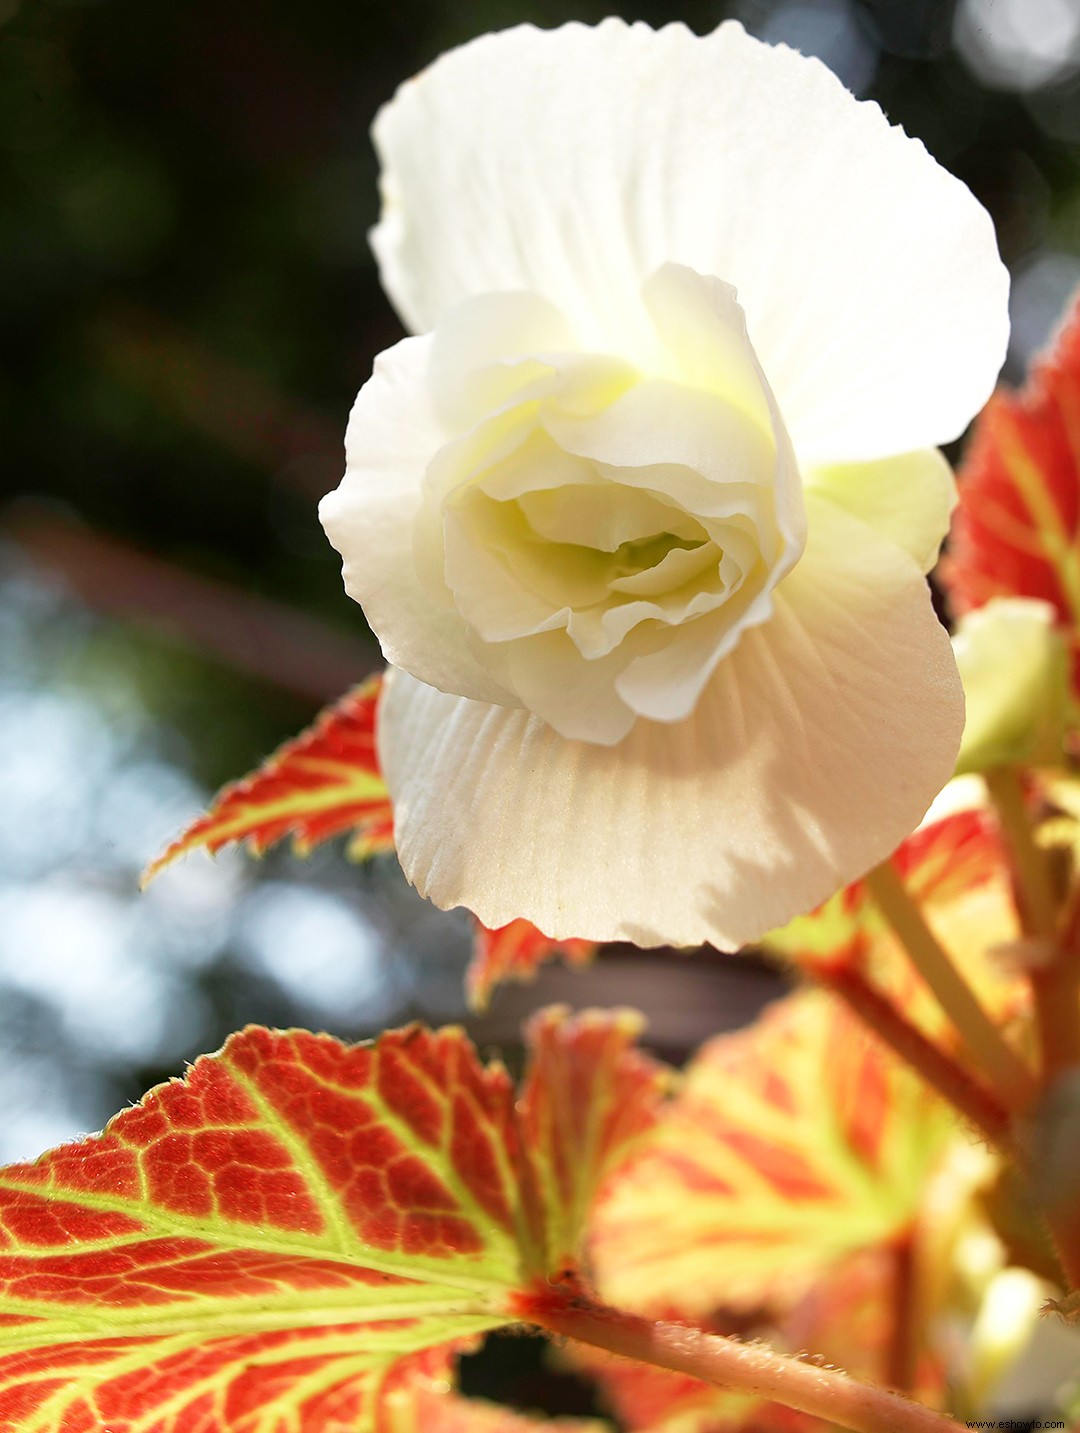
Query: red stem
1055	992
750	1368
1055	989
963	1091
903	1356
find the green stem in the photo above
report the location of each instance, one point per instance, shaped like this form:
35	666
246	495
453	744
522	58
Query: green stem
984	1042
1055	985
1037	901
749	1368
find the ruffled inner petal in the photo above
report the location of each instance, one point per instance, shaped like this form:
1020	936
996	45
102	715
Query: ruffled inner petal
815	748
598	516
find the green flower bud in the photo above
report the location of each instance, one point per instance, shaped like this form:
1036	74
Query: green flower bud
1014	664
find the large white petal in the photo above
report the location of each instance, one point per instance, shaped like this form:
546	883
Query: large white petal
371	516
815	749
575	162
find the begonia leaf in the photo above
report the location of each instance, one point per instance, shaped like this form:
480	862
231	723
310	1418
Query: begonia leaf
327	782
275	1240
940	861
864	1311
793	1143
323	783
949	857
427	1405
581	1068
515	952
956	869
436	1413
652	1400
1016	528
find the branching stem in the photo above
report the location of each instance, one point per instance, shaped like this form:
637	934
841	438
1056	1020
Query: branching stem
987	1048
749	1368
963	1091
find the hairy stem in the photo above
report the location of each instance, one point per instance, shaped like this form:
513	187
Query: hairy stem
745	1367
1065	1237
987	1048
963	1091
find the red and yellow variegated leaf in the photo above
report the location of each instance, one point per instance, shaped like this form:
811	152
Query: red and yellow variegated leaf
945	859
321	784
1016	529
957	871
849	1319
434	1414
266	1244
939	862
515	952
651	1400
425	1403
794	1142
303	1379
577	1069
327	782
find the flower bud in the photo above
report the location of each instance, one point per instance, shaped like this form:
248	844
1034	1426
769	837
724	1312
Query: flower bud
1014	665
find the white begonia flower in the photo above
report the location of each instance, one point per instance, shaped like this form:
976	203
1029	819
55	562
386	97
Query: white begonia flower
642	519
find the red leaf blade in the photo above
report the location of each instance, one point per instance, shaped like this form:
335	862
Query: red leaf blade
589	1097
1016	529
284	1233
321	784
515	952
956	869
793	1143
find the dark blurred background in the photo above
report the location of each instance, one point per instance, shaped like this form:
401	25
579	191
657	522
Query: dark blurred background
188	308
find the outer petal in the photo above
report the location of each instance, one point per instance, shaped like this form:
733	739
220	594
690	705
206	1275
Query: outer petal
815	749
575	162
910	498
393	433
